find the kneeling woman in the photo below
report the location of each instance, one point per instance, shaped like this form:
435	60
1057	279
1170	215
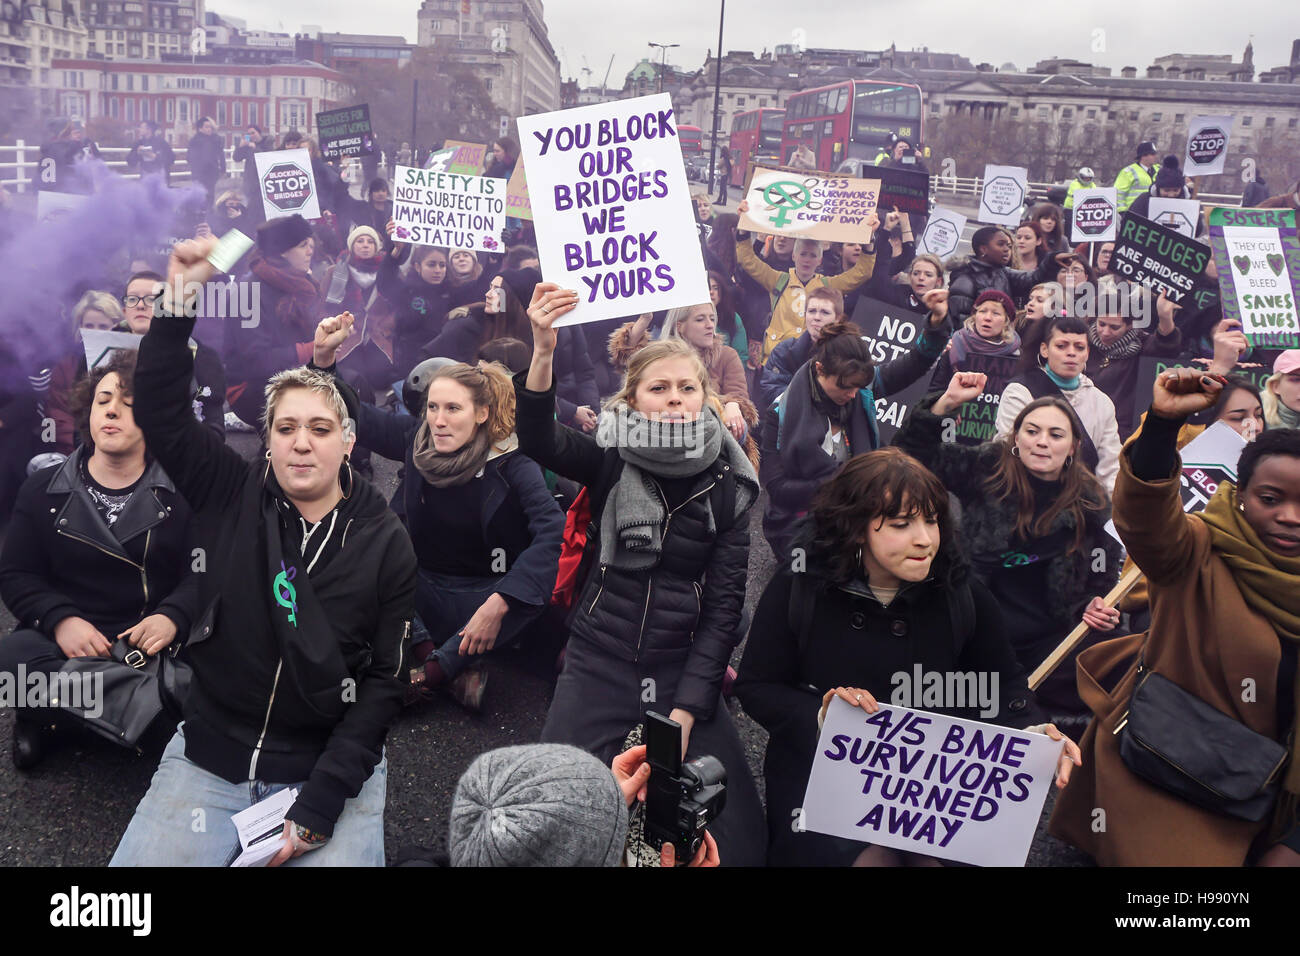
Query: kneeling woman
662	579
886	590
97	552
1033	519
309	590
485	528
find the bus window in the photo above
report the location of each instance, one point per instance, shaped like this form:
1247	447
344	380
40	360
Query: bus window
842	100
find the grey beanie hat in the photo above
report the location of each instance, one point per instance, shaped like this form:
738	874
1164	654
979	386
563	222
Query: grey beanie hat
538	805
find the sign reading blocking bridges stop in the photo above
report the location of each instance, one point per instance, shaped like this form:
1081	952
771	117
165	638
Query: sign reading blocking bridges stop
1207	145
1095	215
287	185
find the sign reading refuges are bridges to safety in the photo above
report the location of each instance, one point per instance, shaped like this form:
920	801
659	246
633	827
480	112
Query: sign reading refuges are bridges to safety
612	209
810	205
940	786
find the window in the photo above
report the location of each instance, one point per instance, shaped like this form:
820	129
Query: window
934	108
762	101
112	108
1246	120
1133	116
171	110
1091	114
130	81
842	100
1015	111
1044	112
1179	117
1268	122
1291	123
221	113
239	82
144	108
252	114
828	128
236	113
1067	112
144	83
1157	117
1111	114
112	83
740	101
185	111
129	116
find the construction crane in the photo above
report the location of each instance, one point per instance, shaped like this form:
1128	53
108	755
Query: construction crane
605	81
586	71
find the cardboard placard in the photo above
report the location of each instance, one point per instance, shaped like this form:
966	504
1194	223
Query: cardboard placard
976	420
1180	215
518	204
1257	252
345	132
942	233
924	782
469	158
286	183
1095	215
907	190
1207	145
101	344
1151	255
448	209
612	208
810	205
891	331
1006	191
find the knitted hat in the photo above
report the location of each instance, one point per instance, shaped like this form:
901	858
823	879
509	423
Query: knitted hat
359	231
1001	298
539	805
1169	176
275	237
1146	148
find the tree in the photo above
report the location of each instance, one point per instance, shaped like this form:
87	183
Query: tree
454	103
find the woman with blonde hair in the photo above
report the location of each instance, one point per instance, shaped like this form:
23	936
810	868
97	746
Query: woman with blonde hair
1281	393
662	577
485	527
696	325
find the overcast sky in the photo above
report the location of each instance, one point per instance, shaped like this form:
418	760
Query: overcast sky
1105	32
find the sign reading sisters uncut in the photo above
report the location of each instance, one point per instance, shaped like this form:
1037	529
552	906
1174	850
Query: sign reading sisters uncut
612	208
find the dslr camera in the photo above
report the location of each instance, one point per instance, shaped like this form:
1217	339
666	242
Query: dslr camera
682	799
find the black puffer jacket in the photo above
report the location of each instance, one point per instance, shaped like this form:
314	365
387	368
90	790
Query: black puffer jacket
968	280
61	560
664	619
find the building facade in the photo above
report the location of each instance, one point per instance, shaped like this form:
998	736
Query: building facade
340	51
275	97
141	29
506	43
32	36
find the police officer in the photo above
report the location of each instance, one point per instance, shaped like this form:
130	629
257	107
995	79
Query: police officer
1083	181
1136	178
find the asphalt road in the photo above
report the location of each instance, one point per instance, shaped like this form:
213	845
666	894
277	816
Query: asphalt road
72	808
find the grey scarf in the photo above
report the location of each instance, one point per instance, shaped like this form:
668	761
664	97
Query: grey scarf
632	523
445	471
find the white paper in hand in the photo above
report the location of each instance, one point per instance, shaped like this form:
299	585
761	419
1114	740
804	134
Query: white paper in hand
260	828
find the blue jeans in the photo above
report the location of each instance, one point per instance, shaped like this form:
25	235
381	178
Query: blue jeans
446	602
185	818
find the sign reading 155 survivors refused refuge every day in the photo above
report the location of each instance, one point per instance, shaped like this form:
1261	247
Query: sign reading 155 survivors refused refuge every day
913	780
612	209
448	209
810	205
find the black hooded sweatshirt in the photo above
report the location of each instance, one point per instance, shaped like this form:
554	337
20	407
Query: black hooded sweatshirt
272	702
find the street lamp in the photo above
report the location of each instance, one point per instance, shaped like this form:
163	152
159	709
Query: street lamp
665	47
717	96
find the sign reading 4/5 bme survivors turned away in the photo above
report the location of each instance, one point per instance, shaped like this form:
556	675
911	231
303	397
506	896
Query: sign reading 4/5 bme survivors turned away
612	209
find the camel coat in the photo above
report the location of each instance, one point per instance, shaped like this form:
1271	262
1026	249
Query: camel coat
1207	640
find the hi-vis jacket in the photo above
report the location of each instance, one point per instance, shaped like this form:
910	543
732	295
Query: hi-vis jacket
1133	180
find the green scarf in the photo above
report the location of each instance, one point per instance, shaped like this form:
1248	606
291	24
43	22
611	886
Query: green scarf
1268	583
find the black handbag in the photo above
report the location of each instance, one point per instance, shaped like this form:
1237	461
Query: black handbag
1181	744
128	690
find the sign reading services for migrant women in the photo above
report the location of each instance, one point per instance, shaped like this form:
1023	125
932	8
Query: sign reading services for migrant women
810	205
448	209
913	780
1257	252
345	132
612	209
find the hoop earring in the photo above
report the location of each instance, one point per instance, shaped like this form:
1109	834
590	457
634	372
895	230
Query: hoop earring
859	557
1015	451
1041	363
1069	460
351	478
267	473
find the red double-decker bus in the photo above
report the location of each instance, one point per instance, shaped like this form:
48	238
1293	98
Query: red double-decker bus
755	138
855	118
691	138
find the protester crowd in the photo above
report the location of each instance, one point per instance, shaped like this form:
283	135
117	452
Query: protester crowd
524	513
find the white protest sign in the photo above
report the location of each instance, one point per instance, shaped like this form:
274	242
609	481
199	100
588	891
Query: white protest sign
448	209
285	180
100	345
1180	215
956	789
1095	215
1207	145
810	205
612	209
51	205
1209	459
942	233
1006	190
